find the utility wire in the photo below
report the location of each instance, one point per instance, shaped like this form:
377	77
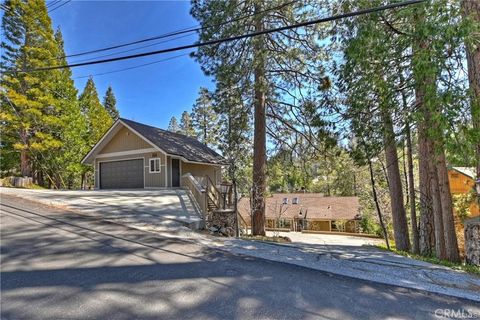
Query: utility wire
134	67
178	32
133	49
61	5
53	3
244	36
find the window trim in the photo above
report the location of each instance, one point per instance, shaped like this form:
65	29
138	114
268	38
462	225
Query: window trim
150	165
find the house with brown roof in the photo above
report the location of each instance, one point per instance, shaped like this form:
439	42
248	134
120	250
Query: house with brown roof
462	182
135	155
308	212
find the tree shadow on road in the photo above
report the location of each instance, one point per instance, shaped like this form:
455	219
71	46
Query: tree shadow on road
78	267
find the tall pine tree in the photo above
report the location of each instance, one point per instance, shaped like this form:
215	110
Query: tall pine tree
67	159
110	104
204	118
186	125
97	118
173	125
276	71
30	112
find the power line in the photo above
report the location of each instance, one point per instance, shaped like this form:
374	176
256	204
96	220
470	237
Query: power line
178	32
61	5
134	67
244	36
133	49
53	3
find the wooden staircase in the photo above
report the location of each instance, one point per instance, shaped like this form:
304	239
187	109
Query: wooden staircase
210	199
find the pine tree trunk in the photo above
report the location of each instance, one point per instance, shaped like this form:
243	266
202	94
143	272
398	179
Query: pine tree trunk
205	129
411	190
471	8
451	244
431	231
399	216
426	226
25	163
436	201
377	206
259	136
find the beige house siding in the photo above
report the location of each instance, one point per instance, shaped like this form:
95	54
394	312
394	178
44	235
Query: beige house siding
124	143
125	140
319	225
201	170
151	180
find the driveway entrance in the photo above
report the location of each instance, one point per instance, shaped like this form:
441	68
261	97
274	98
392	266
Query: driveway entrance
153	207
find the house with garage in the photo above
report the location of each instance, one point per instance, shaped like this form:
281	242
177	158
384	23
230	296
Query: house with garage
134	155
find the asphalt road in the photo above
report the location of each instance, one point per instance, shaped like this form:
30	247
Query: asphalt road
56	264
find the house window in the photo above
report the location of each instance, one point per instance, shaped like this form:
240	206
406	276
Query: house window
285	201
154	165
295	201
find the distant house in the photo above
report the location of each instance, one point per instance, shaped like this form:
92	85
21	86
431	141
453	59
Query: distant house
308	211
462	181
135	155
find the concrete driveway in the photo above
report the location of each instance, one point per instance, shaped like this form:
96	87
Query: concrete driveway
156	207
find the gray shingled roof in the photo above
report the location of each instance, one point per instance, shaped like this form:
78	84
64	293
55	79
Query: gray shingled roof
176	143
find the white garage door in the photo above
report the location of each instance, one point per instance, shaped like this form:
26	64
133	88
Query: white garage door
125	174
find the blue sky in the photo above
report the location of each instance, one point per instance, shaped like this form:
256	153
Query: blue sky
151	94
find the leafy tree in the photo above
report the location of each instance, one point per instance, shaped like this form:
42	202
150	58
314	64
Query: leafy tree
205	119
396	73
372	98
173	125
66	160
98	120
110	104
29	109
234	133
97	117
275	72
186	126
435	111
471	17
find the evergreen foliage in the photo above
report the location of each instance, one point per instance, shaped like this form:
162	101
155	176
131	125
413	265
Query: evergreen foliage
173	125
97	117
405	78
33	112
204	118
186	126
110	104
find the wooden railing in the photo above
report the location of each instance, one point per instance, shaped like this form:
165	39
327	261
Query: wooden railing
214	197
205	192
197	191
209	198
